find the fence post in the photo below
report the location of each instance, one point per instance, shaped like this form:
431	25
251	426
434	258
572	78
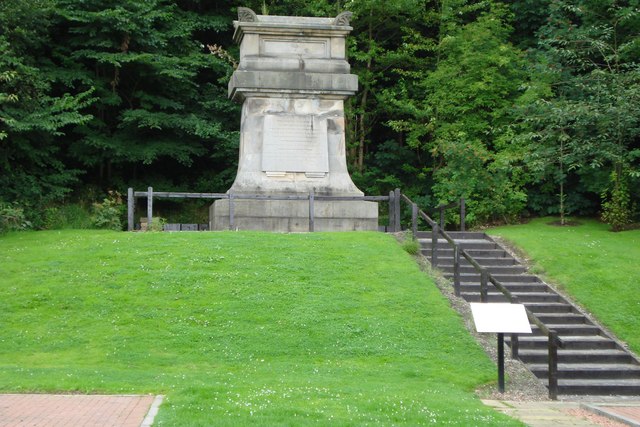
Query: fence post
442	217
396	208
434	245
456	270
414	220
501	362
515	346
231	212
463	213
484	291
131	205
553	365
392	213
149	207
311	211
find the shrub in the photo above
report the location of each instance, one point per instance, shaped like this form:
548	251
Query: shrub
109	214
157	224
67	216
410	245
12	218
616	207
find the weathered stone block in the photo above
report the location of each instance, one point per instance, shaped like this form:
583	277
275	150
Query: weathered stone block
293	215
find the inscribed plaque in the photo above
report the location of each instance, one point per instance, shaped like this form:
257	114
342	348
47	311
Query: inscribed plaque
295	144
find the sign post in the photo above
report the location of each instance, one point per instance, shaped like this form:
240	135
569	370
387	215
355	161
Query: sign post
500	318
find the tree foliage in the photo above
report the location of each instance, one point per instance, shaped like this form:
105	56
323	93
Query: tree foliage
521	107
584	127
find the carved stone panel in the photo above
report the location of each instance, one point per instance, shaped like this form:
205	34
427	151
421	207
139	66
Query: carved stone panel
294	48
295	144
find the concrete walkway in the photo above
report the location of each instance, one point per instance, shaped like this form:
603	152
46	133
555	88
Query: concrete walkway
571	413
49	410
46	410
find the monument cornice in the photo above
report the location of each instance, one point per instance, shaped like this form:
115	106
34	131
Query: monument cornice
243	28
250	23
337	86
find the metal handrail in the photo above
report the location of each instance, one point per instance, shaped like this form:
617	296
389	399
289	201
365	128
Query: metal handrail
485	278
443	207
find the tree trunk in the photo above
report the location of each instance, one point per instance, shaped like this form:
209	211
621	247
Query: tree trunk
363	103
562	220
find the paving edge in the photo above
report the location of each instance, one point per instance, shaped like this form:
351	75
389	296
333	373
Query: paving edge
597	409
153	411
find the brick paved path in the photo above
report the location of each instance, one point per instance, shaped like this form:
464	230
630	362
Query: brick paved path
47	410
571	413
627	413
631	412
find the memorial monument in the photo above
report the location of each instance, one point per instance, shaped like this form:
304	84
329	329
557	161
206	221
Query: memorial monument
292	80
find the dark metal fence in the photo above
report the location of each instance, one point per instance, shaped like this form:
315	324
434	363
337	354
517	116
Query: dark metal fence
232	197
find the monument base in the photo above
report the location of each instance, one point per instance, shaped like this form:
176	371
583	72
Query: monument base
293	215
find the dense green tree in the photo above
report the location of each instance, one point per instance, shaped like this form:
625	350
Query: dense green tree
473	88
503	103
450	102
390	57
585	123
162	94
36	108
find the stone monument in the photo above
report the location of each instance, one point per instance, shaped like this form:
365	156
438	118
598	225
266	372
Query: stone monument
292	80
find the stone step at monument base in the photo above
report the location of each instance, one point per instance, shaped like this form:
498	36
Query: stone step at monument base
293	215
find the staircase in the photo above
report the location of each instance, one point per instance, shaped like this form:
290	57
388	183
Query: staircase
591	362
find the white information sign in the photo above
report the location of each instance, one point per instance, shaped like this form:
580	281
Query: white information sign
500	317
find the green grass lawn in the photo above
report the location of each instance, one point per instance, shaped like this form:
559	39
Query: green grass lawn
239	328
600	269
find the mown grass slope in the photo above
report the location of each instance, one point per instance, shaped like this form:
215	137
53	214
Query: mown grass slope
240	328
599	268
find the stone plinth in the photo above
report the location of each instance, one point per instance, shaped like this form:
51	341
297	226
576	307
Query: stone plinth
293	215
292	79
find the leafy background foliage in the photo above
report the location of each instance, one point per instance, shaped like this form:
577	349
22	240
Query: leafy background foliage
522	107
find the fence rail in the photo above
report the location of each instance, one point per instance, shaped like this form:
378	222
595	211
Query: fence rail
463	212
150	194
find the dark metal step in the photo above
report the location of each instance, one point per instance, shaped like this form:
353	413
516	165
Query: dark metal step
577	342
523	297
563	318
570	330
597	387
549	307
494	269
455	235
475	297
484	261
511	287
490	261
466	245
588	370
502	278
448	253
603	356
